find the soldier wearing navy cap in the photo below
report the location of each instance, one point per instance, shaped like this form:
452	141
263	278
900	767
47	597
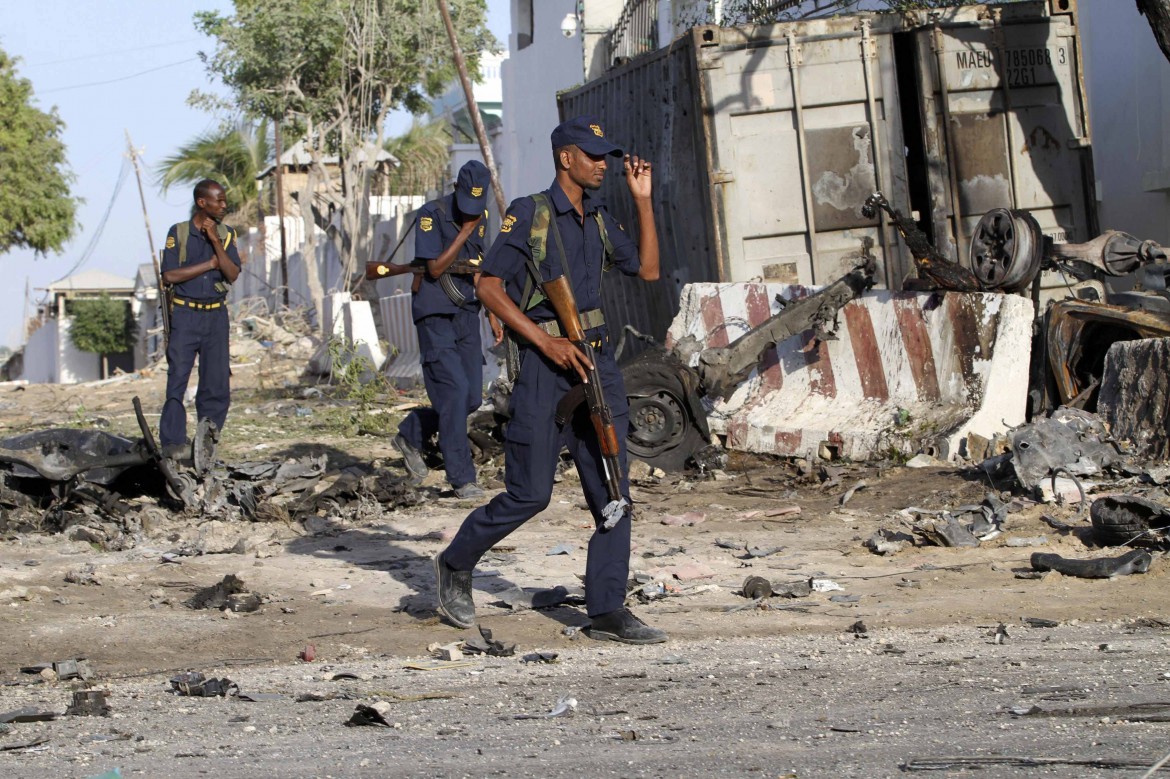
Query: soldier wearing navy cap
564	230
200	262
446	313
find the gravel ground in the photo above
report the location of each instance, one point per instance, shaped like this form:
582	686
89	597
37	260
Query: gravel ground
845	705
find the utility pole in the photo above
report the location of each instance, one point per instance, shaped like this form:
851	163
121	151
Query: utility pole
279	169
473	109
141	196
24	317
163	302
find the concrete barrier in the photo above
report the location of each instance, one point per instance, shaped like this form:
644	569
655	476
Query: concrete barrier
907	371
1135	395
351	322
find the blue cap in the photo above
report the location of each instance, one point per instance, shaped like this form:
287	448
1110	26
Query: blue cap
586	133
471	188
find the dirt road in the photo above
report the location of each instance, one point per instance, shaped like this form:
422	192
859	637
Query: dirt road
797	688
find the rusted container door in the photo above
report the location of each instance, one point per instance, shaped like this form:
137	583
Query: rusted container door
1004	122
803	121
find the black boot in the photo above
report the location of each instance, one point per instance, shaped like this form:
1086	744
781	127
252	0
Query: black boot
454	587
623	626
412	460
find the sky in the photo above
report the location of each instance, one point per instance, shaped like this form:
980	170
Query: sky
111	67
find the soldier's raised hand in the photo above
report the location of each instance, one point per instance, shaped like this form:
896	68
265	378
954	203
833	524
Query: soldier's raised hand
637	175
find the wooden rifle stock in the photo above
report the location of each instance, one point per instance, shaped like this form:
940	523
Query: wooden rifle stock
560	295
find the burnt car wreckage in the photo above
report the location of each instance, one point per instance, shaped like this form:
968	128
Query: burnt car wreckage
59	479
1117	292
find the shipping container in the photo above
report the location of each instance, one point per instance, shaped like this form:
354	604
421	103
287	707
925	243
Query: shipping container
766	141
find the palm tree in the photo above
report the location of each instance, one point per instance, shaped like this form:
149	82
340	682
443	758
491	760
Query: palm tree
233	155
423	152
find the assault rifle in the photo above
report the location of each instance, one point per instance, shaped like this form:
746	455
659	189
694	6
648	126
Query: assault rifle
560	295
165	293
381	270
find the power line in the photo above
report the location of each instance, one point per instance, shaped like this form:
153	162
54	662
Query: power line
93	241
116	80
107	53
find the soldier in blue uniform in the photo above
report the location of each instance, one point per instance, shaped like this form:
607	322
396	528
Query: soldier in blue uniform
583	241
200	262
446	313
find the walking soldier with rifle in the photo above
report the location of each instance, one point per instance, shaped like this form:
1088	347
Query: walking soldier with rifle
543	279
449	242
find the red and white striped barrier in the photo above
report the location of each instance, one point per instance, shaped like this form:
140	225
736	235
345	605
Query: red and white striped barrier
907	371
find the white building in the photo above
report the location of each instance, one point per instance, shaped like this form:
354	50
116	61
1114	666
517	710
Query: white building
148	312
49	355
488	92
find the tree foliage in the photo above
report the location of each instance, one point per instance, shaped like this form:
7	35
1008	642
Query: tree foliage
423	152
102	325
36	209
1157	12
734	12
233	155
335	68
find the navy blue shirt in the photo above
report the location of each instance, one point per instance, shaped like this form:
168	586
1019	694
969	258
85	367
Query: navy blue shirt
199	250
434	232
510	254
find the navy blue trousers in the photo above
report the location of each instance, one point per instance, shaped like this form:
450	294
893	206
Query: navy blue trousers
202	333
453	373
531	449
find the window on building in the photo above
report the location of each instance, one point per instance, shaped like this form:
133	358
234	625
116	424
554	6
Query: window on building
524	23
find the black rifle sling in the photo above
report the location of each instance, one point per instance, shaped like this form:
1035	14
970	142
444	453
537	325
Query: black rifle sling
445	281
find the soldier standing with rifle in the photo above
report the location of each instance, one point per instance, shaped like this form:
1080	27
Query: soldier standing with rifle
200	263
563	237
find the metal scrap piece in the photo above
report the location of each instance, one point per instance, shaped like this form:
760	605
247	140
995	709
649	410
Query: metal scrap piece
1137	561
935	270
369	716
27	714
1071	439
518	599
196	685
486	645
254	470
88	703
305	468
60	454
949	532
722	369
